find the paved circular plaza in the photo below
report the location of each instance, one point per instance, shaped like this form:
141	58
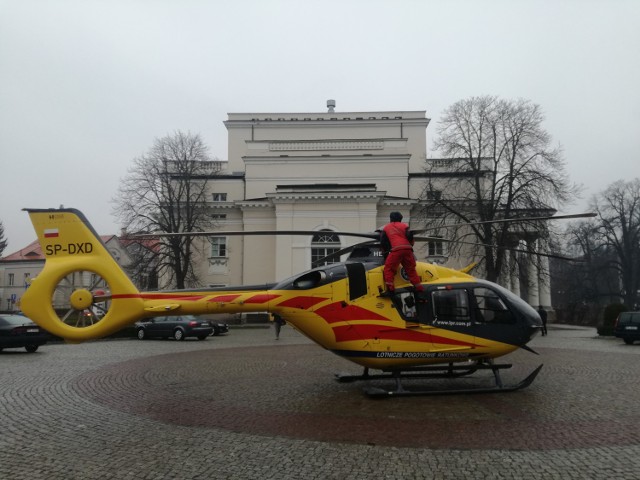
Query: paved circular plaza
247	406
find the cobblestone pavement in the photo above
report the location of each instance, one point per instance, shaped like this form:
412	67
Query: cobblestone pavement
244	406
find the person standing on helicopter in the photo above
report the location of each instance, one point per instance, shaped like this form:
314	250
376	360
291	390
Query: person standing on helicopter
397	243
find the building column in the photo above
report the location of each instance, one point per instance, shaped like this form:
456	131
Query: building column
544	280
515	272
532	275
505	276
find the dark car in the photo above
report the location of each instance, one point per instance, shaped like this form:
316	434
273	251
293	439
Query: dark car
219	328
628	327
17	331
175	326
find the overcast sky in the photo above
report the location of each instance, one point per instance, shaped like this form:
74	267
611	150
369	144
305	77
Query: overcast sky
87	85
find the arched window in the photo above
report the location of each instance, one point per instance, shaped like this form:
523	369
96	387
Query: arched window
324	243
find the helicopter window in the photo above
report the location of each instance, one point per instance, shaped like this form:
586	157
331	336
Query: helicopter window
309	280
451	305
490	308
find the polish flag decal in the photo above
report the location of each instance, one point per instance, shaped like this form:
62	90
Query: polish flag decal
50	233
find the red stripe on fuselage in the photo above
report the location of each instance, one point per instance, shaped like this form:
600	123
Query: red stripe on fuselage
302	303
224	298
159	296
346	333
261	298
339	312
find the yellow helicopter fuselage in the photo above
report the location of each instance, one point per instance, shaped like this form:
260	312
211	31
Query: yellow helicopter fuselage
338	306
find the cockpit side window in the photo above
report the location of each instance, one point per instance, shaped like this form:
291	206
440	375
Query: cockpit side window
490	308
451	304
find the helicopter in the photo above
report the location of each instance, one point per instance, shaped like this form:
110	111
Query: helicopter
456	326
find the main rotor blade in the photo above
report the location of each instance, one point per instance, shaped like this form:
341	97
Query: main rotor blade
510	220
511	249
220	233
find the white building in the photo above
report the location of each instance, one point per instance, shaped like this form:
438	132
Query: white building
310	171
328	171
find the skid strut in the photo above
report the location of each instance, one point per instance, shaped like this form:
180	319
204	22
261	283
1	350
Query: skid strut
438	371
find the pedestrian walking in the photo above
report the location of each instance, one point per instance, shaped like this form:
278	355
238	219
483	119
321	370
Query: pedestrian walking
543	316
278	322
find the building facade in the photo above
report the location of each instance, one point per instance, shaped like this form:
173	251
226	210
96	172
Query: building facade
325	172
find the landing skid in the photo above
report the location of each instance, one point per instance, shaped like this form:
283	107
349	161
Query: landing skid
445	371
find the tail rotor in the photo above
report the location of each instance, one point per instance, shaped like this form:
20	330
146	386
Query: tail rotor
81	299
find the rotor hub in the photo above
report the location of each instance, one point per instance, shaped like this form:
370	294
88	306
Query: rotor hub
81	299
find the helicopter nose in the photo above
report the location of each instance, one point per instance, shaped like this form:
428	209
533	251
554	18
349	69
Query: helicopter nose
534	331
533	327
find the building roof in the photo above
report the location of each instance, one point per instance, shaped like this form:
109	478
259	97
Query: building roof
152	244
30	252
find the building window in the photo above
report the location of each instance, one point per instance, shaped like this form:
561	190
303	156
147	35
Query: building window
434	195
219	216
97	281
436	248
219	197
324	243
12	279
218	246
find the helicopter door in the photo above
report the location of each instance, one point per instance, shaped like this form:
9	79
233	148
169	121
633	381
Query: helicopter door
450	307
450	311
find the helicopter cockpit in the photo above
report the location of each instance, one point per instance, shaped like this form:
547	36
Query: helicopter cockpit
469	307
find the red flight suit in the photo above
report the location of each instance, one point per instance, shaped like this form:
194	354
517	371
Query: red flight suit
399	242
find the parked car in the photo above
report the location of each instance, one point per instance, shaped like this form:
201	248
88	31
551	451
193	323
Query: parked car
17	331
627	327
219	328
174	326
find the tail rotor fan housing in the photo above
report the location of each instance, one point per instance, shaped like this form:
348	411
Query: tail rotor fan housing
81	298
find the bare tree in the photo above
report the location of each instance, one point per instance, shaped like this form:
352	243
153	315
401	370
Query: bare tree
166	191
590	281
618	230
497	163
3	240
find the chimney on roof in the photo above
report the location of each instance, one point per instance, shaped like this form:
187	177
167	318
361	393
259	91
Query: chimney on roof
331	105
